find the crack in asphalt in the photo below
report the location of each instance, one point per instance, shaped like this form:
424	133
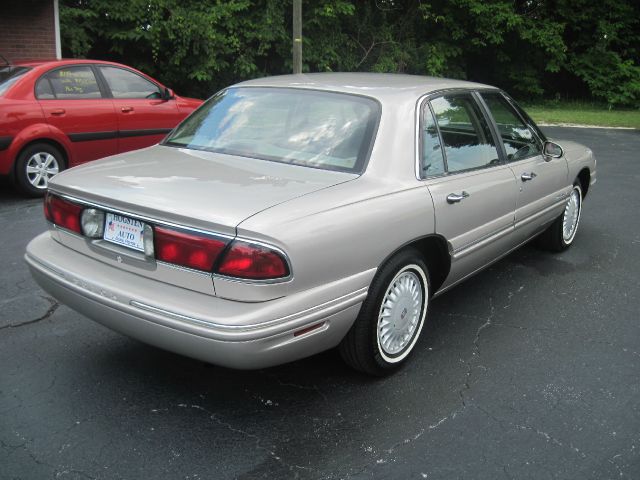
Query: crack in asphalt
52	309
476	352
614	458
506	473
256	438
564	332
518	426
383	460
82	473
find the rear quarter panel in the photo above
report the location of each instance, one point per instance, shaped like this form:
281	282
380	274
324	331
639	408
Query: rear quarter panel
22	121
344	231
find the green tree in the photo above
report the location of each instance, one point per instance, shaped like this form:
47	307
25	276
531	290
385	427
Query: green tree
569	48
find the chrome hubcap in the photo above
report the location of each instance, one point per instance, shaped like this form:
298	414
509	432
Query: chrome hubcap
571	216
40	168
400	312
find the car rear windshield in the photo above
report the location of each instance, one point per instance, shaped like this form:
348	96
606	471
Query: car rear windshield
326	130
9	75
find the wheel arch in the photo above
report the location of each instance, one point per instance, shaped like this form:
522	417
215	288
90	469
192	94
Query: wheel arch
434	249
584	177
46	140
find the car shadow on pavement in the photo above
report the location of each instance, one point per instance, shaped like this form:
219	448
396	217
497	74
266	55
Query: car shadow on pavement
9	194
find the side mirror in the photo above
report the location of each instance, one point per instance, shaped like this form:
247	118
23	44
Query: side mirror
552	150
167	94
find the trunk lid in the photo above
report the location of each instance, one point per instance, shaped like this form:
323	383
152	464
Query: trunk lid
193	188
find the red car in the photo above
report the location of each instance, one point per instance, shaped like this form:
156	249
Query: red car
58	114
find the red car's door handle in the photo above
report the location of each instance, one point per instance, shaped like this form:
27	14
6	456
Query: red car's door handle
58	111
126	109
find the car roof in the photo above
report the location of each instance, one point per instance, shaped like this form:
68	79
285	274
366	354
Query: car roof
377	85
48	63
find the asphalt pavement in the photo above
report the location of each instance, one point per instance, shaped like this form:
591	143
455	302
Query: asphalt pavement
531	369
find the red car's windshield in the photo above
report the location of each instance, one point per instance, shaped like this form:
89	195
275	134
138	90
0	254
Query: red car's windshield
9	75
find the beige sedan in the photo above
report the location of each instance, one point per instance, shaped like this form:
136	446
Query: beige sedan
290	215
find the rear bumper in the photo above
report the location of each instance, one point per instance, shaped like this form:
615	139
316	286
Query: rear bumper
224	332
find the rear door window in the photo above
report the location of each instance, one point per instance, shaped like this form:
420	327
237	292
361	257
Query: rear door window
466	137
432	160
68	83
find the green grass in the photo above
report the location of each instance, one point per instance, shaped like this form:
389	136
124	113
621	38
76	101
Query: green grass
583	114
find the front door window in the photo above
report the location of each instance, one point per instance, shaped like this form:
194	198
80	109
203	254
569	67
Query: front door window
518	139
126	84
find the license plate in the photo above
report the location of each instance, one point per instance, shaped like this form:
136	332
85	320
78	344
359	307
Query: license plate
124	231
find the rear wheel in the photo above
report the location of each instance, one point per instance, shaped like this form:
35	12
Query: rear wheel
560	234
391	318
35	166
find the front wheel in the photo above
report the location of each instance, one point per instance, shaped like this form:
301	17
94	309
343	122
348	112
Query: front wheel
560	234
391	318
35	166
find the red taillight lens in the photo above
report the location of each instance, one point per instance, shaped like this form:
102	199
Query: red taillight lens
187	249
47	207
245	260
63	213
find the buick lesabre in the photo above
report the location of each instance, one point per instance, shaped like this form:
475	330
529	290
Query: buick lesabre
290	215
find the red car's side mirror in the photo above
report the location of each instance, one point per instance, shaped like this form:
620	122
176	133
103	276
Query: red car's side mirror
167	94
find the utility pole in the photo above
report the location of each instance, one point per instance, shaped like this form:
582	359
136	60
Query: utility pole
297	36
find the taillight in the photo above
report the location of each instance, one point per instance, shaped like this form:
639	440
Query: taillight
187	249
62	213
47	207
254	262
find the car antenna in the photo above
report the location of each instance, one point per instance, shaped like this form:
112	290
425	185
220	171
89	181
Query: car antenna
6	62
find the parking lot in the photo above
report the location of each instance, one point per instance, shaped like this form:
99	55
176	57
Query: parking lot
531	369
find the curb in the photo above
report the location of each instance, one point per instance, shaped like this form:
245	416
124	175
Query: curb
579	125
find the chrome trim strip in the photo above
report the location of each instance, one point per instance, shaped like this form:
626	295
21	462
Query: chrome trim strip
142	218
216	330
482	241
479	269
320	311
186	269
465	250
540	213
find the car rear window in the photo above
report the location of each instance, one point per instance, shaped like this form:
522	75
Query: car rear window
10	75
326	130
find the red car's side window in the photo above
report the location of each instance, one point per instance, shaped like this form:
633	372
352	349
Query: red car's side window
68	83
126	84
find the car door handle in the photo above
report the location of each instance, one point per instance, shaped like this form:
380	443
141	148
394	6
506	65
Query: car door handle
126	109
455	197
525	177
58	111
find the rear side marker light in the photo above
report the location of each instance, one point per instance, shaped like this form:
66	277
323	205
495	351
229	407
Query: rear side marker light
186	249
63	213
304	331
253	262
